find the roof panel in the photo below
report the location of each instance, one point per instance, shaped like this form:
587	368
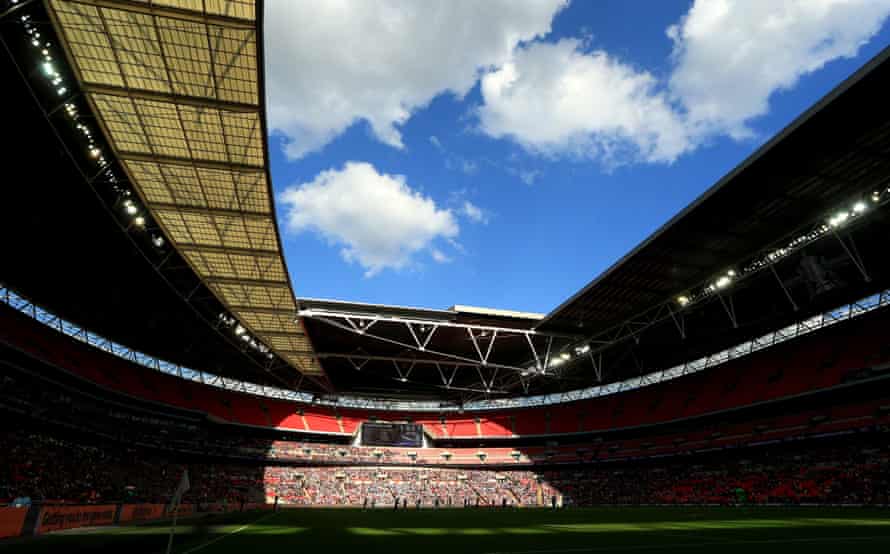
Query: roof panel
136	48
282	322
236	265
234	64
181	131
88	43
261	296
240	9
290	343
187	50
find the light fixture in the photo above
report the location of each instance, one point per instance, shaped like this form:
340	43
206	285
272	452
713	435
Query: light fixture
565	355
139	220
682	300
723	282
404	379
239	330
838	219
158	241
859	207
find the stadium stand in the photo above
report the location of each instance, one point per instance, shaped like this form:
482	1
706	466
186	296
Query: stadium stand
813	363
90	433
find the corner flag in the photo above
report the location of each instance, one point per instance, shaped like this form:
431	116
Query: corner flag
181	488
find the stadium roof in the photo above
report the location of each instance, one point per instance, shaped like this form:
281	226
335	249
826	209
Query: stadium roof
160	114
836	149
177	89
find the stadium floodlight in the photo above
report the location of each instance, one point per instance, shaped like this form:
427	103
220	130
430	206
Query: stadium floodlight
682	300
404	379
859	207
731	273
565	355
139	221
839	219
723	282
239	330
876	196
48	68
158	241
132	209
582	349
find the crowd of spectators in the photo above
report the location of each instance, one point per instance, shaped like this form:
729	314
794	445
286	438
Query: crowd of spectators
845	470
377	486
61	445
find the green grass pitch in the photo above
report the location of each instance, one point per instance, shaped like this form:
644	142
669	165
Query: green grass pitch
459	531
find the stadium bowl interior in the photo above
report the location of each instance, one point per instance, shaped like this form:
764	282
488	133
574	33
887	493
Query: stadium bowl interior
155	363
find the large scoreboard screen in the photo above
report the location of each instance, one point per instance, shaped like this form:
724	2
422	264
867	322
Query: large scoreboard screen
392	434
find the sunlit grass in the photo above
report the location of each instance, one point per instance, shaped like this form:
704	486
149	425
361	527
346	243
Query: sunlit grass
487	531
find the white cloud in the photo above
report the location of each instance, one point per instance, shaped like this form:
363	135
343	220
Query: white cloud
474	212
331	64
556	99
377	219
729	57
439	256
528	176
732	55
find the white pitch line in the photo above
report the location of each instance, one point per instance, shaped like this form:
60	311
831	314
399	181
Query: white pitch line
229	534
694	545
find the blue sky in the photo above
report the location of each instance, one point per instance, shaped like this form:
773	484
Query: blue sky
504	153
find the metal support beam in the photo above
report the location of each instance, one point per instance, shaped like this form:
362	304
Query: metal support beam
174	12
189	162
679	321
172	98
784	288
729	307
597	361
853	253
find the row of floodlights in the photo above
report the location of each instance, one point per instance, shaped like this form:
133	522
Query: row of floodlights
242	334
559	359
94	151
49	70
834	221
724	280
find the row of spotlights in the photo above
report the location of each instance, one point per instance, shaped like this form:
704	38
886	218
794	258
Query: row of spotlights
836	220
241	332
94	151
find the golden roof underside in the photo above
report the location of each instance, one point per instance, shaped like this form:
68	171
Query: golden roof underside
175	87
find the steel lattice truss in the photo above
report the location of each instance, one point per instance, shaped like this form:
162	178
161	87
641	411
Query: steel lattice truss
176	88
484	358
